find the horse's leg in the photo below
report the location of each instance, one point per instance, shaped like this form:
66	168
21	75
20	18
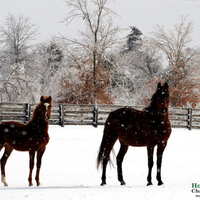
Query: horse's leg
103	177
150	150
31	166
7	152
39	161
111	139
160	150
120	157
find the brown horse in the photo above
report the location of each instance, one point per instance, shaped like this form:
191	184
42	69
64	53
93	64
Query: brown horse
131	127
32	137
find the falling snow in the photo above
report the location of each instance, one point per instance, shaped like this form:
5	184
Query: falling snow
12	125
24	133
6	130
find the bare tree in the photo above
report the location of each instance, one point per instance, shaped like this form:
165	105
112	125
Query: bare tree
175	43
16	35
181	60
100	35
15	49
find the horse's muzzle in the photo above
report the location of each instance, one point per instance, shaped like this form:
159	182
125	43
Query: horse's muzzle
47	118
164	111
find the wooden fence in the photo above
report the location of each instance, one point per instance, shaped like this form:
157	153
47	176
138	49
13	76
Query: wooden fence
69	114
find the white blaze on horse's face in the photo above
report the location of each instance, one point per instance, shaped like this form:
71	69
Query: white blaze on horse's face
46	105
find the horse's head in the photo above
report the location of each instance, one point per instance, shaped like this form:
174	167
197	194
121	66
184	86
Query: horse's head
46	107
159	101
162	95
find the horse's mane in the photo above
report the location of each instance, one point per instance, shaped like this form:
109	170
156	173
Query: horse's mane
152	105
35	114
37	111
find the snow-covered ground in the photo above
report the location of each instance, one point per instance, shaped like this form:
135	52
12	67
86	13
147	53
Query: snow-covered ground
69	169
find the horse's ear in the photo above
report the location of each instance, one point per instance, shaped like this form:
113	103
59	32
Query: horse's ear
166	85
50	98
41	99
159	85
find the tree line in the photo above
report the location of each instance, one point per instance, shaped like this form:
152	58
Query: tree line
99	67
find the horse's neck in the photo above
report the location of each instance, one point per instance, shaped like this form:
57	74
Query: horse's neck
153	115
37	120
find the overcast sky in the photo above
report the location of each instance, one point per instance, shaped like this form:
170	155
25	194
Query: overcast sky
141	13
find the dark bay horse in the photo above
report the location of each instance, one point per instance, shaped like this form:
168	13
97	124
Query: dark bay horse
131	127
32	137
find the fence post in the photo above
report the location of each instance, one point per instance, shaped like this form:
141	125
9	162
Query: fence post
189	118
95	116
61	115
27	113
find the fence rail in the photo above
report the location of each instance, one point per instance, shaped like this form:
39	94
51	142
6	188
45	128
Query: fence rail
73	114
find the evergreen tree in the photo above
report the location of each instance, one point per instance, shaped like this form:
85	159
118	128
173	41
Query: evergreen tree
55	57
133	40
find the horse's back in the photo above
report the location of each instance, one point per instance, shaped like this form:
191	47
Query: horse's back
124	116
10	126
15	134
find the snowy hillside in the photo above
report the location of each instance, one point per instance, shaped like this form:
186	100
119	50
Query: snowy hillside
69	169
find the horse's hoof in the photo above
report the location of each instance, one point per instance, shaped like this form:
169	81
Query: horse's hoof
3	180
5	184
123	183
160	183
103	183
149	184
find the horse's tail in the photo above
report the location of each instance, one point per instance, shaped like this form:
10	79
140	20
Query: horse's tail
102	151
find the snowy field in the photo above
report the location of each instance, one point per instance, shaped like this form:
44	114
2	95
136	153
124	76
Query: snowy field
69	169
